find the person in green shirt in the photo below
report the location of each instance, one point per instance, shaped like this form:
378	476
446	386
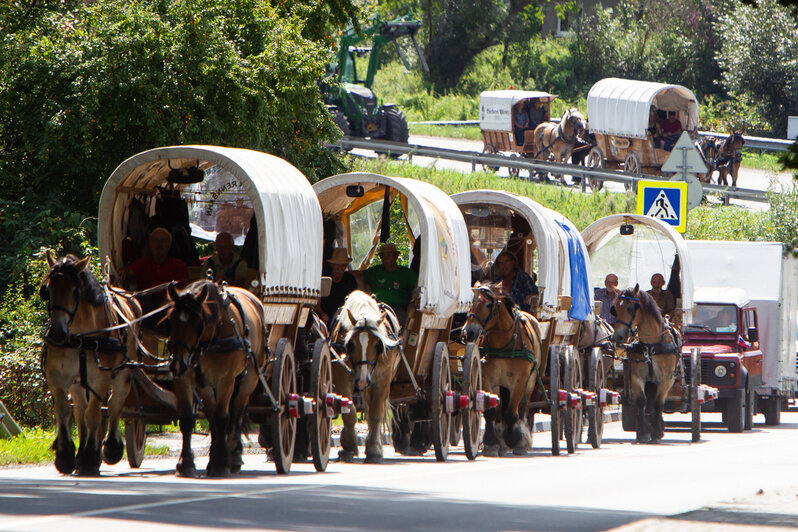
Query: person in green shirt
391	282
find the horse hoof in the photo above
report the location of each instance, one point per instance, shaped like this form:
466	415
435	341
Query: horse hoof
490	451
373	459
186	470
346	456
416	451
644	439
655	441
520	451
65	465
113	451
217	472
90	471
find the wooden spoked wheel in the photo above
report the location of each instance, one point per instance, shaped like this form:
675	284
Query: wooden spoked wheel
695	407
572	372
632	164
556	383
441	419
319	425
595	159
472	381
489	149
135	441
597	380
455	430
283	426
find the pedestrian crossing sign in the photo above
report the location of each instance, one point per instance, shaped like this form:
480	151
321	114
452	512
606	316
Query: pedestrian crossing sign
664	200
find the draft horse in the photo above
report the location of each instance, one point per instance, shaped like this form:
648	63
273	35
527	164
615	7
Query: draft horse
653	358
511	344
85	355
729	158
366	336
558	141
217	345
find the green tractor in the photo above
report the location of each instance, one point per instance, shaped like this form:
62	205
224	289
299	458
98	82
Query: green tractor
351	101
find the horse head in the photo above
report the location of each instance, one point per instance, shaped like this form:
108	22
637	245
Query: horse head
626	311
368	330
734	144
65	285
577	121
191	321
485	312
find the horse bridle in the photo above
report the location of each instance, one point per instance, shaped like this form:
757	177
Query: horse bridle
494	299
636	306
171	344
77	293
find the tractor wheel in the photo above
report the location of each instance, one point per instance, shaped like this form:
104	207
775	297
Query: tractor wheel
396	128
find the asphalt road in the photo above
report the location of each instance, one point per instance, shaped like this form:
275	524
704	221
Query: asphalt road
673	486
748	178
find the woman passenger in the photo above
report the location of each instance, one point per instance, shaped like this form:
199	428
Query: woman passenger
514	282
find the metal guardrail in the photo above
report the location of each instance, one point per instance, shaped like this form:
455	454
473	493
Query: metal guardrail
757	143
531	165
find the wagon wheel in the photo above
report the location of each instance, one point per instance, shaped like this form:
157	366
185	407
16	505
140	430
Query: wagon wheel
319	425
489	149
597	380
455	429
632	164
555	381
135	441
595	159
472	381
283	426
441	419
695	408
572	374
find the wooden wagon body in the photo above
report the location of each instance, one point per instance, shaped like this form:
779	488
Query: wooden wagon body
496	110
427	371
545	243
634	247
618	120
196	192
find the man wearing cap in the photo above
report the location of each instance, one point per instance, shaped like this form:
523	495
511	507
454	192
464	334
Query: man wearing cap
391	282
343	283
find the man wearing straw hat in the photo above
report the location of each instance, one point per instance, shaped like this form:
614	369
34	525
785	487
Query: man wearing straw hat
343	283
391	282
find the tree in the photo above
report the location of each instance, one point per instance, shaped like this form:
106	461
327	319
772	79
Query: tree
758	58
463	29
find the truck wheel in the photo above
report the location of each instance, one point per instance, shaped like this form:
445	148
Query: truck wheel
396	128
773	411
734	412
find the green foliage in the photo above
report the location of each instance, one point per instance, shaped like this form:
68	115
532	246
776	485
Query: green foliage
783	218
717	222
758	58
33	446
729	114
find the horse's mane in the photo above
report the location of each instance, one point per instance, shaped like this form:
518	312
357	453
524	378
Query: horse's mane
91	289
500	296
361	306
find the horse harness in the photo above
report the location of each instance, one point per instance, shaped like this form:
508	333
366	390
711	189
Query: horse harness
647	350
339	347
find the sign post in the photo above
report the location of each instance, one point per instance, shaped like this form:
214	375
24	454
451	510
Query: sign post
664	200
686	161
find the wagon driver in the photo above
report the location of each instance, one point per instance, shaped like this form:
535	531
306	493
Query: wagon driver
663	298
513	281
520	123
391	282
343	284
607	296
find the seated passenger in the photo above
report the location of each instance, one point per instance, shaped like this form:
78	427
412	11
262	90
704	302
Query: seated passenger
227	265
391	282
520	123
514	282
158	266
663	298
671	129
607	296
537	114
343	283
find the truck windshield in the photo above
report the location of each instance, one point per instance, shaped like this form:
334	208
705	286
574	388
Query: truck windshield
715	318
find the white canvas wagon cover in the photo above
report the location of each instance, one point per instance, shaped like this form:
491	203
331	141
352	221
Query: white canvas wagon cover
634	258
620	106
285	207
563	262
496	107
445	272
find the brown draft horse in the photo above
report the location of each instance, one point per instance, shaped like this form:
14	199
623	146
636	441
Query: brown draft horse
653	359
217	344
725	157
368	335
510	342
82	359
559	140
